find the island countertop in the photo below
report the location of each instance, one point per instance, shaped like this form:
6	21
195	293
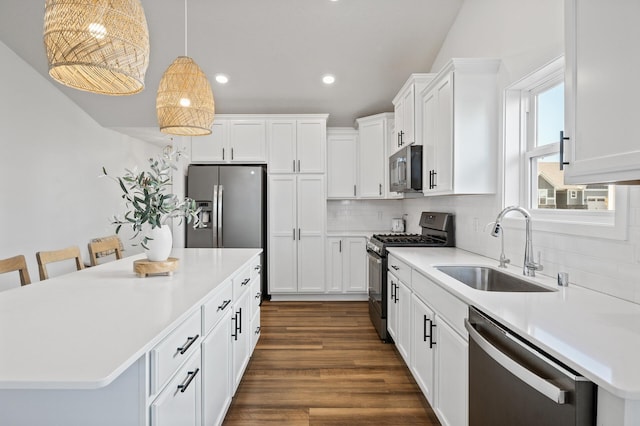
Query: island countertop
82	330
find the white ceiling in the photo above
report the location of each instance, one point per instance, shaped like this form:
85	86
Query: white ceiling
274	51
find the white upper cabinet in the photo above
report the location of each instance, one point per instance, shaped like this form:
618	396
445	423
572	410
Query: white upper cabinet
407	111
602	41
239	139
297	144
459	125
372	155
342	147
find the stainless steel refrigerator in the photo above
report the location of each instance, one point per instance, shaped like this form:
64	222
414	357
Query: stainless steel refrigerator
232	200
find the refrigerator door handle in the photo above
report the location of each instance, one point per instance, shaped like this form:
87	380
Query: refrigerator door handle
214	212
220	198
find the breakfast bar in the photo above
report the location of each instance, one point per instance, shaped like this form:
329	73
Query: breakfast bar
98	346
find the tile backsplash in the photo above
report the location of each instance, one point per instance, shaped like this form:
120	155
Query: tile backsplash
362	215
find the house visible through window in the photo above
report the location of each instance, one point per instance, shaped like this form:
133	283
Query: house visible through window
544	106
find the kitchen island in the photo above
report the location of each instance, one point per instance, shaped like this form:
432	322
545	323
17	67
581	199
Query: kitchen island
98	346
595	334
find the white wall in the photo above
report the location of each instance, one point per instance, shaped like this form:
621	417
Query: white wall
51	158
527	35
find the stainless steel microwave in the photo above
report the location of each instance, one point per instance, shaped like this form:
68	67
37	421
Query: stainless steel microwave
405	170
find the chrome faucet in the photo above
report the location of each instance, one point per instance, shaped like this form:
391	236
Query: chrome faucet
529	266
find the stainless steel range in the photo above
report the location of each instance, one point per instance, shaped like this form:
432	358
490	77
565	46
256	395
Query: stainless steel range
438	230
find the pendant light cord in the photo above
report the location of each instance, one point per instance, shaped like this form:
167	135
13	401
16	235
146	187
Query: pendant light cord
185	28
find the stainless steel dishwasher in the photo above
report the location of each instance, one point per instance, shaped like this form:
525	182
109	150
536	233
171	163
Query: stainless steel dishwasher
512	382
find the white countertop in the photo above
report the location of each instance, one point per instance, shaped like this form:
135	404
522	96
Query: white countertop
82	330
595	334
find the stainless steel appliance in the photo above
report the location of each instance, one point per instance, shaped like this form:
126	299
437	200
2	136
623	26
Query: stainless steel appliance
438	230
511	382
232	200
405	170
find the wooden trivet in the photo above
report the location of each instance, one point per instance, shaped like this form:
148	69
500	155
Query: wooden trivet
144	267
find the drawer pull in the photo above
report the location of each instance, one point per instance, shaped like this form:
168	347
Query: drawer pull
257	268
190	376
190	341
224	305
257	330
258	294
395	268
246	281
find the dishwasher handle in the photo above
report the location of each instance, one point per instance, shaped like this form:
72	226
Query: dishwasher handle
551	391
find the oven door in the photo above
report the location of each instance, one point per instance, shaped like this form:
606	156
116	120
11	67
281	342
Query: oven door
378	293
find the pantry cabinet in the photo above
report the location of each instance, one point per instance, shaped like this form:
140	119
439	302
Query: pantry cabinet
407	111
296	216
601	92
460	128
297	144
346	265
237	140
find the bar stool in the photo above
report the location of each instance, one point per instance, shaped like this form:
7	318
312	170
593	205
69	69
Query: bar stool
46	257
16	263
101	247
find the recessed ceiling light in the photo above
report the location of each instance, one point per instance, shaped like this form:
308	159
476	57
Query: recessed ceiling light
328	79
222	79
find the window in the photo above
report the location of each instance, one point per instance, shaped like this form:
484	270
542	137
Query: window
534	116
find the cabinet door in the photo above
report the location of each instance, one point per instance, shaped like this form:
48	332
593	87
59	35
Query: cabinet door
371	159
282	146
334	265
180	401
408	116
341	165
240	337
452	366
602	91
311	206
216	373
398	110
355	264
248	141
310	147
392	306
422	352
283	234
443	176
429	139
403	330
211	147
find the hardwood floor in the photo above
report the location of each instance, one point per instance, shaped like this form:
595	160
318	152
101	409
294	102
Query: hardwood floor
322	363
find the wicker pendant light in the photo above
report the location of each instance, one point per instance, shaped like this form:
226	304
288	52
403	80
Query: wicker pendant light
99	46
184	103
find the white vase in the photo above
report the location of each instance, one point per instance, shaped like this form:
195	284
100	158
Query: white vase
159	248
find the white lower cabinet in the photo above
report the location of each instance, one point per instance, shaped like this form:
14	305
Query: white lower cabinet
426	321
451	402
216	372
423	349
179	402
255	295
346	265
240	337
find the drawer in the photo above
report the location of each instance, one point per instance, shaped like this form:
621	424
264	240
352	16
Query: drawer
179	403
215	308
400	269
169	354
255	267
255	294
255	330
447	306
241	282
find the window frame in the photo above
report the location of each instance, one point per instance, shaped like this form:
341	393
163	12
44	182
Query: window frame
517	177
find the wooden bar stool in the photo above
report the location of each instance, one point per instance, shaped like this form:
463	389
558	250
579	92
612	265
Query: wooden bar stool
45	257
100	247
16	263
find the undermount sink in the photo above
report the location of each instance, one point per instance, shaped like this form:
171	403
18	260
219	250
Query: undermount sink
489	279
